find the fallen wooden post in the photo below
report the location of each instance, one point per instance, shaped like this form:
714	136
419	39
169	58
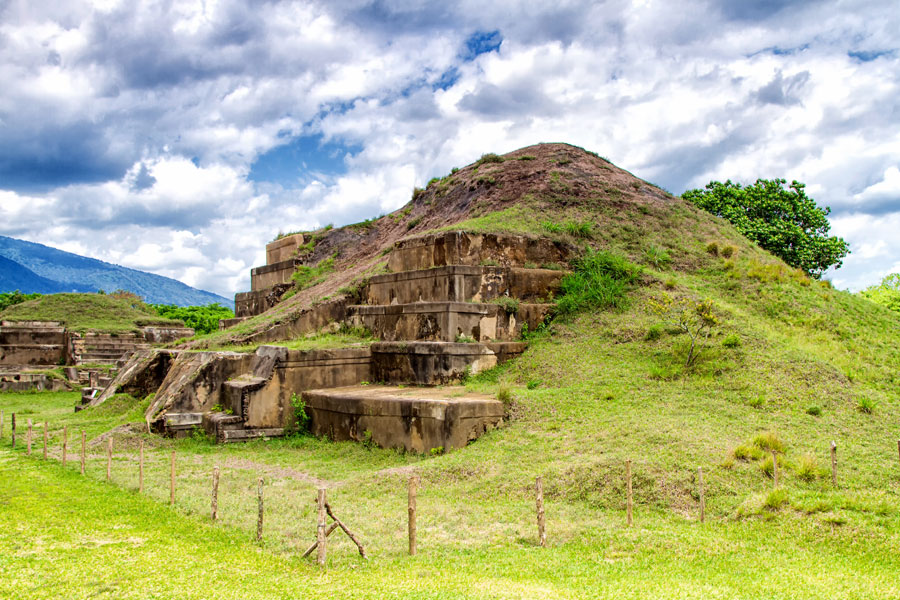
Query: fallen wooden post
362	551
539	505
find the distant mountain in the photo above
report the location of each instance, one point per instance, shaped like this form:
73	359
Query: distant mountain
30	267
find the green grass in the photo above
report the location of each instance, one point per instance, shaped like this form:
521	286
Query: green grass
89	312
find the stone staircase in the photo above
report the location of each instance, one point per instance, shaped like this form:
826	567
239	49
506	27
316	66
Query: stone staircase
454	304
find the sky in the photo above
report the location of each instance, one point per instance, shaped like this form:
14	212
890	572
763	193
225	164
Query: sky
178	137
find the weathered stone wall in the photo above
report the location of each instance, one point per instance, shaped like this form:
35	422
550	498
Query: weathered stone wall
262	278
460	248
431	363
32	343
284	248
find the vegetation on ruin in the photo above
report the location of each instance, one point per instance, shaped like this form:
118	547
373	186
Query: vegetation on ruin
110	313
202	319
789	365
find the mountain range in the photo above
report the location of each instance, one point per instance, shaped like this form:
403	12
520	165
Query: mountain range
30	267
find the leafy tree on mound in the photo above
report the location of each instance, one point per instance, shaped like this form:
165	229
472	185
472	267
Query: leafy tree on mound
887	293
786	222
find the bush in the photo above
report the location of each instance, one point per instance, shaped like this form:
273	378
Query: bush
768	440
866	406
814	410
658	257
732	341
490	157
508	303
747	452
203	319
728	251
713	248
600	281
696	318
301	417
654	333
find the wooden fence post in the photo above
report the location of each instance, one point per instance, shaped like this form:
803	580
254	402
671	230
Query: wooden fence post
833	463
83	454
539	504
259	517
775	468
413	481
28	439
630	499
141	469
702	496
109	443
172	480
45	440
215	494
65	447
320	529
14	431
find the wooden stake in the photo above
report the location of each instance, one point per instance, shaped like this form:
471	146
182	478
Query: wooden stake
83	440
315	545
539	503
833	463
172	480
108	459
413	481
14	431
630	500
65	448
141	469
320	529
702	496
215	494
775	468
28	439
259	517
45	440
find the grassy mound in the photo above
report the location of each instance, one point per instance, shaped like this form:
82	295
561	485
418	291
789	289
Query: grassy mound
89	312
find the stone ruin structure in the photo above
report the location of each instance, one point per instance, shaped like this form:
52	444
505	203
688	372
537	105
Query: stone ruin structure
452	304
29	349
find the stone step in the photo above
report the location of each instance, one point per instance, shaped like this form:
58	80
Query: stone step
448	321
463	283
415	419
431	363
243	435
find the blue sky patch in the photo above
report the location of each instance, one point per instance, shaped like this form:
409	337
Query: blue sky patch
481	42
290	163
869	55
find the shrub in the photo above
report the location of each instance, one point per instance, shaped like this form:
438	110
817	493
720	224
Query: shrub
301	417
775	499
509	304
768	440
504	395
814	410
670	284
658	257
807	468
866	406
747	452
693	317
713	248
600	281
490	157
732	341
579	229
728	251
654	333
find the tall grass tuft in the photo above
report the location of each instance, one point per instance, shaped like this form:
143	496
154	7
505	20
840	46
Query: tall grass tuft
600	281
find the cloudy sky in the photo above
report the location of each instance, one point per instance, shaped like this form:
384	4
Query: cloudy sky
178	137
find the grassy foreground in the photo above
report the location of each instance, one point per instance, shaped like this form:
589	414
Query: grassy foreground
63	535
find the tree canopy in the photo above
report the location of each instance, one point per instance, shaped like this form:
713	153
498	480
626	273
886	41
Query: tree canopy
784	221
887	293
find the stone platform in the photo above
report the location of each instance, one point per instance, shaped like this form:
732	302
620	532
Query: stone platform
415	419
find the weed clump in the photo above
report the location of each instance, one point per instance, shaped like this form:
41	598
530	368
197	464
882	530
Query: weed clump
769	440
658	257
866	406
490	157
600	281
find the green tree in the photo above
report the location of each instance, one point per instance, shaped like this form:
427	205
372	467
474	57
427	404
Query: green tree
784	221
887	293
203	319
8	299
